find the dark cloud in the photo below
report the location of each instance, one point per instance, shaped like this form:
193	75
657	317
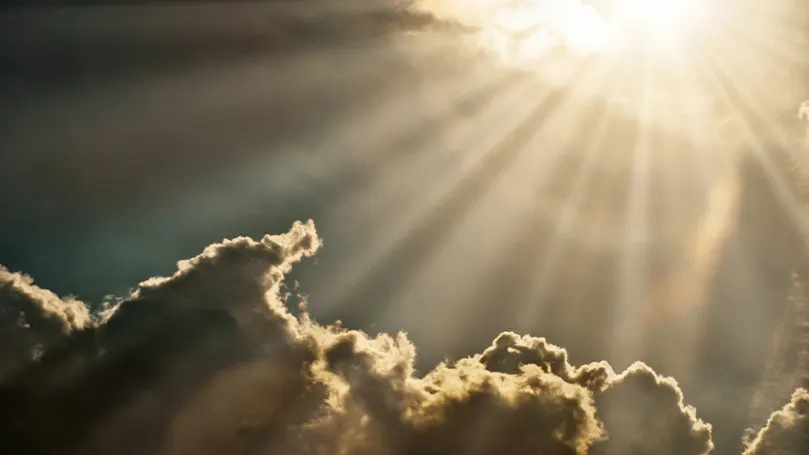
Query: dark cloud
453	409
114	388
106	37
643	413
33	319
787	431
210	360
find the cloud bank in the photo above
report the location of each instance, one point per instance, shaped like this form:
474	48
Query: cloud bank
211	360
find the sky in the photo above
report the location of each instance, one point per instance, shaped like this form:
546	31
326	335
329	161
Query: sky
394	227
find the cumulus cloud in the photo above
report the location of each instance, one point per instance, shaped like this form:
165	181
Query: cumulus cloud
211	360
642	412
787	431
32	319
380	407
115	387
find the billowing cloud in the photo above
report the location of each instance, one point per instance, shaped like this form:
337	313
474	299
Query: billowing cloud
453	409
211	360
116	387
787	431
642	412
32	319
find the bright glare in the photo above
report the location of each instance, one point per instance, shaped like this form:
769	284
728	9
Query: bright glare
537	26
523	32
656	20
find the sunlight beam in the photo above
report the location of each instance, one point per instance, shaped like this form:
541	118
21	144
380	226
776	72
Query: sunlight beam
571	213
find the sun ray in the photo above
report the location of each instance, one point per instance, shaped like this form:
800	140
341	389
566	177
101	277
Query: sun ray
467	138
624	319
407	254
676	303
522	200
769	140
571	210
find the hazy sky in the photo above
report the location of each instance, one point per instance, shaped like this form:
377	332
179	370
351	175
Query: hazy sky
470	172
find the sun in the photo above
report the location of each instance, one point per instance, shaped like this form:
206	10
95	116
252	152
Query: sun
525	32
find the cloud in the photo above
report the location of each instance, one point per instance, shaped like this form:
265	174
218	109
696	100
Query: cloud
149	32
787	431
211	360
119	385
453	409
642	412
33	319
